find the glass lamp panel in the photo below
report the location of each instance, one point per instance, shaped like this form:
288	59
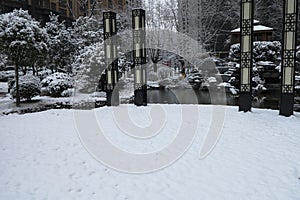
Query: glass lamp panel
108	51
291	6
137	50
137	22
246	44
144	76
289	43
247	11
115	52
107	28
288	76
116	79
143	22
138	76
109	77
245	76
113	21
143	51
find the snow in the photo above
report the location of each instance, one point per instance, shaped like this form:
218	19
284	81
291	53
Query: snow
3	87
153	84
255	28
57	84
256	157
255	21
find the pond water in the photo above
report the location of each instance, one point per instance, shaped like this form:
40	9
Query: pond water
269	100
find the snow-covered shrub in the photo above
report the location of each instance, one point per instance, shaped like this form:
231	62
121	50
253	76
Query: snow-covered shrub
88	66
87	31
298	53
6	75
61	44
29	86
234	52
123	63
68	93
57	83
43	73
297	59
267	51
208	67
3	61
262	51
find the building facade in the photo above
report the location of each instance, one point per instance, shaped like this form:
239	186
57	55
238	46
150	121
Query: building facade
68	10
260	33
189	18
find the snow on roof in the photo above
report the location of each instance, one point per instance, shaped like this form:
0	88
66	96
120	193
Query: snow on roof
255	21
256	28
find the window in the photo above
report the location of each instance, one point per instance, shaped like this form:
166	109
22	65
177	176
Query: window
110	4
257	37
269	36
37	3
47	4
63	11
62	3
53	6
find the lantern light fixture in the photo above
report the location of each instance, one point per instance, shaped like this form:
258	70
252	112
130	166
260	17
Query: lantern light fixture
288	57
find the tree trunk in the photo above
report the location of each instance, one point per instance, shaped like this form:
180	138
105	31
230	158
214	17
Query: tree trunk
17	84
155	67
33	70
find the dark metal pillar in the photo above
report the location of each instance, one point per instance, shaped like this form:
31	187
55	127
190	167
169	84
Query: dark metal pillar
139	54
111	58
288	57
245	98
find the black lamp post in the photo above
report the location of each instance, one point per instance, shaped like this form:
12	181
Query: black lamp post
246	34
111	58
288	57
139	54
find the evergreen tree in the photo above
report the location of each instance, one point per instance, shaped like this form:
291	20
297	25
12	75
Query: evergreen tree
21	37
61	45
270	13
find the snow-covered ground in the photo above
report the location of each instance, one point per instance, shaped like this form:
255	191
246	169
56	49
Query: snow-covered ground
3	87
256	157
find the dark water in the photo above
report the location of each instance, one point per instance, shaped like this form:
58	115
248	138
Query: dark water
270	99
190	96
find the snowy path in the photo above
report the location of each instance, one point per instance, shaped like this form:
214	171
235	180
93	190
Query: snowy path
257	157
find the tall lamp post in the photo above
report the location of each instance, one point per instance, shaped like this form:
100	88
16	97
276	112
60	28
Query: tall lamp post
288	57
139	54
111	58
246	33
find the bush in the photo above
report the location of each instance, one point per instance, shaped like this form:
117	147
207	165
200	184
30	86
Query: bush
262	51
234	52
88	66
29	86
208	67
57	83
3	61
6	75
